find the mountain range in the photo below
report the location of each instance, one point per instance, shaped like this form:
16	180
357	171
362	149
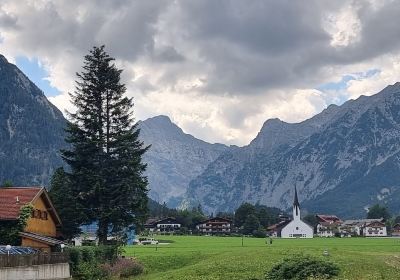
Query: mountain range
342	160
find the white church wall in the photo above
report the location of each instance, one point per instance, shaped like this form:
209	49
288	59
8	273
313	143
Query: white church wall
297	229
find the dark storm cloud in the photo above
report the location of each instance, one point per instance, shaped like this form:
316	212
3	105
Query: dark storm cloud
253	46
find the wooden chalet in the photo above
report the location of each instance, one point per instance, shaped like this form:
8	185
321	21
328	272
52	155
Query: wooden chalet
375	228
328	225
167	225
41	229
215	226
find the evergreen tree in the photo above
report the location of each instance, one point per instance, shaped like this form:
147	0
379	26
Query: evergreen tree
377	212
251	224
106	153
243	212
68	207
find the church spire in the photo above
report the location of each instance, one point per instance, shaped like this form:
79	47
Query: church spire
296	200
296	205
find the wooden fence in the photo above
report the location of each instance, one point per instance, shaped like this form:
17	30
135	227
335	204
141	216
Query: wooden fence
34	259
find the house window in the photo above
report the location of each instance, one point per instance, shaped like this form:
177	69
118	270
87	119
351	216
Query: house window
44	215
36	214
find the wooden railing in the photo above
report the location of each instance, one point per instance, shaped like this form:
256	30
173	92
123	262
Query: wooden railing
34	259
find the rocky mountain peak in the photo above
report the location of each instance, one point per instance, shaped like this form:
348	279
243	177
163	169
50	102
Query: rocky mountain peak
3	60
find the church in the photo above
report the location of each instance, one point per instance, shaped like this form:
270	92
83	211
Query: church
296	228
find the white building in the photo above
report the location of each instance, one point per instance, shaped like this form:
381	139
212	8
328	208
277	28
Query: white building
167	225
375	228
297	228
328	225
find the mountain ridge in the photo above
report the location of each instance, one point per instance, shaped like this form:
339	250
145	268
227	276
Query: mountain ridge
314	155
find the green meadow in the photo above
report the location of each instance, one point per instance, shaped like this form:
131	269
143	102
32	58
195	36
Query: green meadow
207	257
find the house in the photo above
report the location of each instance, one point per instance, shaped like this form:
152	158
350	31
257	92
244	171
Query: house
276	230
167	225
363	227
215	225
41	229
296	228
375	228
328	225
396	230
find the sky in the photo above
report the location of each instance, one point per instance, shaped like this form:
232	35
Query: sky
218	69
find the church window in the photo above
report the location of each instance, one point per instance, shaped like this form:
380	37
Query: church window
297	228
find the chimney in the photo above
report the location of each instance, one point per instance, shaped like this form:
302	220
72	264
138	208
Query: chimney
17	199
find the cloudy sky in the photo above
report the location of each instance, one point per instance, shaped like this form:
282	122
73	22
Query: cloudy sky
218	69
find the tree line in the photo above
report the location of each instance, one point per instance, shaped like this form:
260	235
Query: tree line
248	219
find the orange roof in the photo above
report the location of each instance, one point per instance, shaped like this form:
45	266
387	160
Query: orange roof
12	199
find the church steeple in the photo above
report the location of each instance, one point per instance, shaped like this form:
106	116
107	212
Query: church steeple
296	205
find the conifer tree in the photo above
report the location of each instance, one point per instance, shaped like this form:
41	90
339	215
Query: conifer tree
106	153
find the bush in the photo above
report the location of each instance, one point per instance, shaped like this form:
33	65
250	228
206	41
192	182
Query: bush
260	233
302	267
86	262
88	271
123	268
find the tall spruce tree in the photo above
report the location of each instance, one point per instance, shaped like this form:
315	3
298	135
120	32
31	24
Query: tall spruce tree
106	153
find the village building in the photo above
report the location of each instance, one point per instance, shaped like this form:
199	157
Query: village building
41	231
328	225
363	227
396	230
375	228
215	226
276	230
167	225
296	228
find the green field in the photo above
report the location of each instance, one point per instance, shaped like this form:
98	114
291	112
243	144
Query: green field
206	257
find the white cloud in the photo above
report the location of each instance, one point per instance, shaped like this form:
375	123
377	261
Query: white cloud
217	68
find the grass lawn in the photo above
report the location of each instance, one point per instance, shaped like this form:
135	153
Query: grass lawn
206	257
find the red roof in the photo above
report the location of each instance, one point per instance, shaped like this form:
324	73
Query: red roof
329	219
12	199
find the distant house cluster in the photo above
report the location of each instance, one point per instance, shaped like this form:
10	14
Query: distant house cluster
330	225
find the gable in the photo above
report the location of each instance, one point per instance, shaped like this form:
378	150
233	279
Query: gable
375	224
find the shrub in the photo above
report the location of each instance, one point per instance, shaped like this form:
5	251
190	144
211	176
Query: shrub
302	267
86	261
88	271
123	268
260	233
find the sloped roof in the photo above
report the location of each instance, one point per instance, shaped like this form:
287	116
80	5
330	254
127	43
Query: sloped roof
278	226
328	219
12	199
41	238
215	220
361	222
